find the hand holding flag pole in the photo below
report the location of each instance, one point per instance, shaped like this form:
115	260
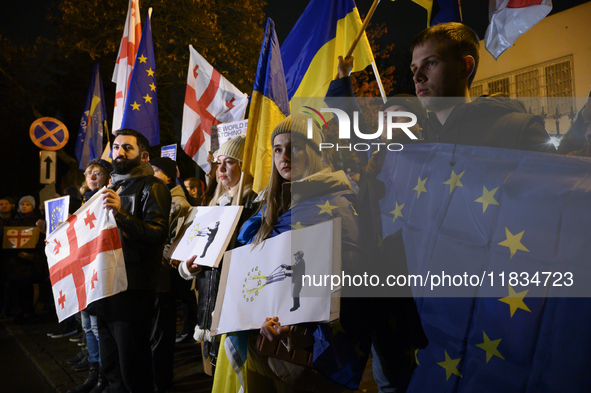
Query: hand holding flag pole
356	41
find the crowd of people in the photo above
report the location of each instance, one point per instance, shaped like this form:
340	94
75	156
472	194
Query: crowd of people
130	337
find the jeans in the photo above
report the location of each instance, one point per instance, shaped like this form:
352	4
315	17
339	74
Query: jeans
90	327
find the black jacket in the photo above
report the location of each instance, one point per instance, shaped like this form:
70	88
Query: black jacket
490	121
142	223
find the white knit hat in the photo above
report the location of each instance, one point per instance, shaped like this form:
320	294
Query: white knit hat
297	123
233	148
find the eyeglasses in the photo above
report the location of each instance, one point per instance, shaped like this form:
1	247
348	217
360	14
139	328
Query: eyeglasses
95	174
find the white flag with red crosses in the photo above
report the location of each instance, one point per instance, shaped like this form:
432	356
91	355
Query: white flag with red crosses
85	258
210	99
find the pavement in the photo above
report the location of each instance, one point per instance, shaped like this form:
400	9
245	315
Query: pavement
31	361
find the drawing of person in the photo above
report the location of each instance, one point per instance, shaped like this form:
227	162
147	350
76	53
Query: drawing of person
296	272
212	232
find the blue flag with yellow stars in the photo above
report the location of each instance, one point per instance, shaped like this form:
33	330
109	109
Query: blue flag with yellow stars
56	212
510	229
141	106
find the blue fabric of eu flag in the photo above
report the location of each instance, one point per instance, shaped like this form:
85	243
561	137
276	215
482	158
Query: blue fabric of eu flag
489	213
141	105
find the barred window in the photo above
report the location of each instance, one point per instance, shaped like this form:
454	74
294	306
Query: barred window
499	86
476	90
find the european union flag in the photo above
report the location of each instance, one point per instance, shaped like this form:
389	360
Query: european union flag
141	106
56	212
89	144
517	224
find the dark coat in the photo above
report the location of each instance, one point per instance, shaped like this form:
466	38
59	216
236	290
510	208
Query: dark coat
490	121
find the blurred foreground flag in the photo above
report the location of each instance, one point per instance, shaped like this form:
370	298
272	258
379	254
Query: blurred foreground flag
310	52
210	99
515	225
441	11
509	19
85	259
89	144
132	33
141	106
269	105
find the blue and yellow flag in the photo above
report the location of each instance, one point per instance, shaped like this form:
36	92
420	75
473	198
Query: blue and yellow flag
441	11
310	52
268	106
89	144
141	106
510	230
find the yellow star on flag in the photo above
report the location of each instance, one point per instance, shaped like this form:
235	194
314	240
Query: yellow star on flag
336	327
515	300
142	59
490	346
150	72
487	198
147	98
398	211
420	187
152	87
326	208
417	357
513	242
297	225
454	181
135	106
450	366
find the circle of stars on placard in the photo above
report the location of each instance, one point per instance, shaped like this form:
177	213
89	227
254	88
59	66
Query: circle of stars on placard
253	272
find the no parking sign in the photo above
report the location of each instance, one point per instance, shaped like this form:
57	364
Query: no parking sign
49	133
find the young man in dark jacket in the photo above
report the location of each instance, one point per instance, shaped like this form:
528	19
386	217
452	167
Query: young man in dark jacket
444	63
141	206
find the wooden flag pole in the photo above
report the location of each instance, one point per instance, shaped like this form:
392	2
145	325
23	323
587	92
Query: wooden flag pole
363	27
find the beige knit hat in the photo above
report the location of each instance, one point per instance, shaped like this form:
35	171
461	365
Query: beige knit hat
298	123
233	148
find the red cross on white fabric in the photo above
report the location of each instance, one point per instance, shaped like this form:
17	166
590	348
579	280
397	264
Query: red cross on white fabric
200	107
21	237
230	104
56	250
93	279
81	256
90	218
62	300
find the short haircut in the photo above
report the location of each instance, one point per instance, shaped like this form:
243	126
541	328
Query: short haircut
194	183
459	39
142	141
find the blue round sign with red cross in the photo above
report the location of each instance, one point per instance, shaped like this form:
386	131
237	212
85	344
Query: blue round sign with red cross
49	133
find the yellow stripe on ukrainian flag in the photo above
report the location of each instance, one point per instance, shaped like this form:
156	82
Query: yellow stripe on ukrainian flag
325	31
268	106
264	115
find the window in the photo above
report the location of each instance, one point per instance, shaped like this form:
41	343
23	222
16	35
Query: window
545	87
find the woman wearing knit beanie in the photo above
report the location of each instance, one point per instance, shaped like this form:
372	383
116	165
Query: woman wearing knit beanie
298	188
229	161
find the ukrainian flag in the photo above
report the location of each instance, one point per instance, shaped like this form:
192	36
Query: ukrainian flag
268	106
441	11
325	31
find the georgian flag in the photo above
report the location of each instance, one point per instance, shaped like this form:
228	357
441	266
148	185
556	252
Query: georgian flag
85	258
132	34
210	99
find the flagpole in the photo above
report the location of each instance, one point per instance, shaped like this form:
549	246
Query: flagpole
363	27
379	80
